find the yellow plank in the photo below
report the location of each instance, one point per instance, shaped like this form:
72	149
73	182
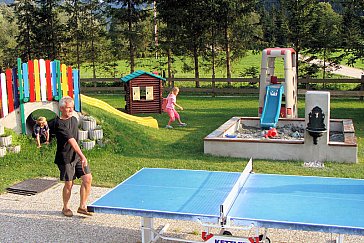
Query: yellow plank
36	80
64	80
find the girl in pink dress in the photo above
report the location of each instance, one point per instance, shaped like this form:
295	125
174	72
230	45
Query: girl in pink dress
172	113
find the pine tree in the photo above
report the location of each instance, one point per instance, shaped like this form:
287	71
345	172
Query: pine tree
126	17
48	30
353	29
24	11
9	30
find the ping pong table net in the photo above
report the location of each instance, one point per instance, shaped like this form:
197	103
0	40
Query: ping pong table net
234	192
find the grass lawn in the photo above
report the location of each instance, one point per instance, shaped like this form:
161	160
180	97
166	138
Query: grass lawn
129	147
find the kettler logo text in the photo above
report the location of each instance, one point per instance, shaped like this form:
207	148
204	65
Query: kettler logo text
230	241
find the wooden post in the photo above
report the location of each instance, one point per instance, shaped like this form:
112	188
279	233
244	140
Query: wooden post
307	84
213	86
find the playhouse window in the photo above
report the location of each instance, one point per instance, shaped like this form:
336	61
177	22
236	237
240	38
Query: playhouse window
143	93
136	93
146	93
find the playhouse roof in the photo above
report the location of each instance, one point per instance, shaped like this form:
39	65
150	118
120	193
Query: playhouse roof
129	77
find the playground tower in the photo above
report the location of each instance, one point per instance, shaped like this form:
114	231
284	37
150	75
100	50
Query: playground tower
277	98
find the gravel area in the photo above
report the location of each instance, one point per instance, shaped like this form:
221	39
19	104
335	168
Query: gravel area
286	132
38	218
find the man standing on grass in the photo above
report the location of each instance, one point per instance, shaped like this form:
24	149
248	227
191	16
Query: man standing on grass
69	158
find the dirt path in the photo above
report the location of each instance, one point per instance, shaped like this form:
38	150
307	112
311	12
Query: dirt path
343	70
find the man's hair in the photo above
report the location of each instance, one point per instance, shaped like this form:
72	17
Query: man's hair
65	100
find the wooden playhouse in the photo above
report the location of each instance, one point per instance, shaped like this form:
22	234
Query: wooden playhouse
143	92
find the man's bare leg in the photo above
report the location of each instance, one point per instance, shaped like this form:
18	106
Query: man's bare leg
85	191
66	195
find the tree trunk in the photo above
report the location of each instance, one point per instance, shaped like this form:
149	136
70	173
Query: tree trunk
29	50
93	59
77	36
297	53
324	74
93	44
227	51
155	28
197	75
53	54
169	63
213	61
131	46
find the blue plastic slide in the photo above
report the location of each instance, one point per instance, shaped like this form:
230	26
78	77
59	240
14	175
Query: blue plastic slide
272	106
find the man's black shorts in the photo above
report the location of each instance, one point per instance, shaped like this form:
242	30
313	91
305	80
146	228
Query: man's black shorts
69	172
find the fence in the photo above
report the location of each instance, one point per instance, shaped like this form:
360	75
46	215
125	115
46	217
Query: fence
114	86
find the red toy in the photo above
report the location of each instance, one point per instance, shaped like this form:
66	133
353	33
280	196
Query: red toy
271	133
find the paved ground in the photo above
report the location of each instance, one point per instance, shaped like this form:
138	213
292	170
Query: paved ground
38	219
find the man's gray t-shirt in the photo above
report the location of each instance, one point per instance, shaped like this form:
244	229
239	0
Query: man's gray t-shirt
66	129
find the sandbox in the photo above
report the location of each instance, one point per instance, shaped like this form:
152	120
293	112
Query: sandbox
222	142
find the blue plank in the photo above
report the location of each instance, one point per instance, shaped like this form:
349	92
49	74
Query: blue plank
54	78
76	90
26	81
15	88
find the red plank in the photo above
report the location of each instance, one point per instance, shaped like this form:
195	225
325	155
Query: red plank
31	80
48	78
9	86
70	81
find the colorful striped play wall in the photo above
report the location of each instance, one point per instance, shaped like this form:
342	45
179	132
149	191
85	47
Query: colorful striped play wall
37	81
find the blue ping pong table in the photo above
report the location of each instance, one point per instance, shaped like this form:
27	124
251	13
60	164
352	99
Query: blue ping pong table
230	199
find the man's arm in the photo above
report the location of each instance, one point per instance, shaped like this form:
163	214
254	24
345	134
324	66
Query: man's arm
77	149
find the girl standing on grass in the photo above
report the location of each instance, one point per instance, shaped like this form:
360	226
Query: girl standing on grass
172	113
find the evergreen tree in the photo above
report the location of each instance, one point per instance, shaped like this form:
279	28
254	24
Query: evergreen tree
85	34
239	27
299	17
325	36
188	29
268	22
74	37
93	28
353	29
24	11
9	30
126	19
48	30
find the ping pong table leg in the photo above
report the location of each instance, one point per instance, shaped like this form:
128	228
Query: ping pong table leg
146	227
340	239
